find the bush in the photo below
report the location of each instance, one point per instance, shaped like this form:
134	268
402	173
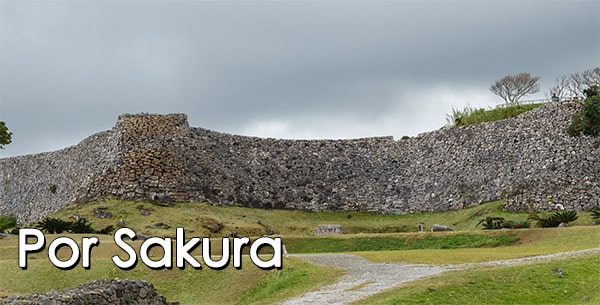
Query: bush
107	230
587	122
565	216
491	223
81	226
554	219
7	222
54	225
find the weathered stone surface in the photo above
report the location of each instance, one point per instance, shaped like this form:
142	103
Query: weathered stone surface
106	291
528	161
440	228
328	230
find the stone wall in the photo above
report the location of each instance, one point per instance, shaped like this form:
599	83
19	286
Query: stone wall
107	291
529	161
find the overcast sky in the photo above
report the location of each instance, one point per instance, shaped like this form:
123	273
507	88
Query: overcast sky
284	69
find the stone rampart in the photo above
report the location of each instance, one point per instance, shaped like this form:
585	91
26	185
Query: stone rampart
528	161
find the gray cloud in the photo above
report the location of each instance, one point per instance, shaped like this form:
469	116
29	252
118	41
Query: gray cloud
290	69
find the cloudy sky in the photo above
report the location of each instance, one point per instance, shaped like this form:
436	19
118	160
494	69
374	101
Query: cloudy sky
284	69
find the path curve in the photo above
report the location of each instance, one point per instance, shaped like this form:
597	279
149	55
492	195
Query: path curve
365	278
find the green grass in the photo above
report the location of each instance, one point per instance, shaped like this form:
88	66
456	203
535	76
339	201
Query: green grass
381	238
194	217
398	242
530	242
472	116
247	285
280	285
522	284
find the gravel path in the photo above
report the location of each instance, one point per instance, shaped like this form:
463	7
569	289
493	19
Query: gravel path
365	278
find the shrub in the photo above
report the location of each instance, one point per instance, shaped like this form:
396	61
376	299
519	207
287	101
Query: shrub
107	230
54	225
81	226
587	122
565	216
490	223
7	222
554	219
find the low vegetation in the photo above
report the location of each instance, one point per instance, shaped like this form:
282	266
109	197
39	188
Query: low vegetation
471	116
554	219
7	222
381	238
202	219
522	284
587	121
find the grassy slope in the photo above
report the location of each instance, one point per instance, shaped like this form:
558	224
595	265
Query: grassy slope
188	286
531	242
472	116
245	221
522	284
254	286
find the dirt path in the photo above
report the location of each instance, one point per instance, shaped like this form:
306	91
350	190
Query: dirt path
365	278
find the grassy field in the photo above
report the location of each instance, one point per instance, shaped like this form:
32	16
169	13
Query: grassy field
196	218
382	238
522	284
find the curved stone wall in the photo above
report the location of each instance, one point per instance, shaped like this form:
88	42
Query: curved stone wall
529	161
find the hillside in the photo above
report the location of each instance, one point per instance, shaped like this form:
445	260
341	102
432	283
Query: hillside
528	160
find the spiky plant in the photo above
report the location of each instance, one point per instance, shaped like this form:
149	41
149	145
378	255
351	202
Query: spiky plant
81	226
564	217
543	220
54	225
596	213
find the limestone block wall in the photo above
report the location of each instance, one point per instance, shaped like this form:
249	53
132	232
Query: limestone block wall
106	291
528	161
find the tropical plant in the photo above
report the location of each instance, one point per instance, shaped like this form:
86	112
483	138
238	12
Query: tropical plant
81	226
564	217
553	219
106	230
543	220
54	225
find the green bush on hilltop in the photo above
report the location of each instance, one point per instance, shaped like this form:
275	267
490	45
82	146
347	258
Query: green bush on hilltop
587	121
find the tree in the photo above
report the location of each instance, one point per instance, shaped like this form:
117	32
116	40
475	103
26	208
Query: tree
575	84
5	135
561	87
587	121
513	87
580	81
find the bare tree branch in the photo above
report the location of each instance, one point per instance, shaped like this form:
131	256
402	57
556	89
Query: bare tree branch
513	87
580	81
